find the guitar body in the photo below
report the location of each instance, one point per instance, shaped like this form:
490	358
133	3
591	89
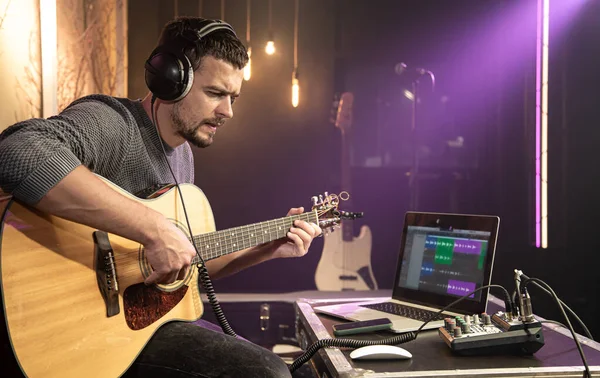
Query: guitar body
64	315
346	265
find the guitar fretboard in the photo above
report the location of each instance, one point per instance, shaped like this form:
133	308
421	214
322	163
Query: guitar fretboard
214	244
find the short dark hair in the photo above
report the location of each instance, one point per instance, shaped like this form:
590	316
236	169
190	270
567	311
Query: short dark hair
220	44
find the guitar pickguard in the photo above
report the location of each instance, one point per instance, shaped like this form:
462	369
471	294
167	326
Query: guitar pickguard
346	265
146	304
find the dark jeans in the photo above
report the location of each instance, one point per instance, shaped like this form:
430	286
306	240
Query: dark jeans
180	349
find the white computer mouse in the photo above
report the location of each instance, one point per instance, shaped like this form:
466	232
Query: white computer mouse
380	352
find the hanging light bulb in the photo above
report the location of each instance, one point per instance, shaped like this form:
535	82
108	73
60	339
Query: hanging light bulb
295	84
270	48
248	67
295	89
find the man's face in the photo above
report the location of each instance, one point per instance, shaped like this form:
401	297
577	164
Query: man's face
209	103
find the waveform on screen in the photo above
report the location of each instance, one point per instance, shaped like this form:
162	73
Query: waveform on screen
428	269
446	247
457	287
453	287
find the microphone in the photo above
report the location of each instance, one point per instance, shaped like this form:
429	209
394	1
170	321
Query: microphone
402	69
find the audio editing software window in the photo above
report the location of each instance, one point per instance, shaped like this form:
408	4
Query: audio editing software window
448	262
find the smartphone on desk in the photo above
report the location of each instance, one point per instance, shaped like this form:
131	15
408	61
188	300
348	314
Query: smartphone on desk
365	326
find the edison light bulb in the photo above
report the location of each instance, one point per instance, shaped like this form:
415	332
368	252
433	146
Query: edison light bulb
295	92
270	49
248	67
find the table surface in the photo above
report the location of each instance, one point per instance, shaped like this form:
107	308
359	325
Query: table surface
432	357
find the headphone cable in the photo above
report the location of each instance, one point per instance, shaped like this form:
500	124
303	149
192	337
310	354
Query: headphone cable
202	271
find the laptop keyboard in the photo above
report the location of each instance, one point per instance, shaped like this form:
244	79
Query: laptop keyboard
406	311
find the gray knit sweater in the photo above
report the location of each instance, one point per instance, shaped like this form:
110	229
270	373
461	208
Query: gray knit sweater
113	137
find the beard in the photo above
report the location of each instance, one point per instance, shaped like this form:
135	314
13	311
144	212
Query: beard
192	133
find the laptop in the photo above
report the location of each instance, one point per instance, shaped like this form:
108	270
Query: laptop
442	258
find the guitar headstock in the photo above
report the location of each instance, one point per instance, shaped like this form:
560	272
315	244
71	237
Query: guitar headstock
334	108
343	119
327	207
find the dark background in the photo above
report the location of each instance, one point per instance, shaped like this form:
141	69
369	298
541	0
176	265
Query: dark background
272	156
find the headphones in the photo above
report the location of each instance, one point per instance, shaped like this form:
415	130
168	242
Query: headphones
169	72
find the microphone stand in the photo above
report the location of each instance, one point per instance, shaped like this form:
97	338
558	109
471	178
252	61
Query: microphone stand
413	179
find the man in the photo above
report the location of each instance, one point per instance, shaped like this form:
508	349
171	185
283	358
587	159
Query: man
48	164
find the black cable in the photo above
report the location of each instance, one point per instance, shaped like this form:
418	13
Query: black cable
583	326
348	343
570	326
553	322
400	339
202	271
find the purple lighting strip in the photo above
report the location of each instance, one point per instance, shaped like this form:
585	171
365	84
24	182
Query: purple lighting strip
538	112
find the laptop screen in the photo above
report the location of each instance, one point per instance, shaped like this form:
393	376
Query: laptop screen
447	262
444	257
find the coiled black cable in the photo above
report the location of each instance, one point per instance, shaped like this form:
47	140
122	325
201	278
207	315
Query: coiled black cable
212	299
348	343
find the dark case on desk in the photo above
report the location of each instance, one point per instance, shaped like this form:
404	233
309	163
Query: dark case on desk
263	322
433	358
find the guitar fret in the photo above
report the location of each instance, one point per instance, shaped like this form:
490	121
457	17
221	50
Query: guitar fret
218	243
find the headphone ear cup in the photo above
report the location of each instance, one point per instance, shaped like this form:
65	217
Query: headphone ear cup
169	74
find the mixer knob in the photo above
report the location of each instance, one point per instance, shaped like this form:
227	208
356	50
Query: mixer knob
487	320
467	319
457	332
476	319
447	323
465	328
451	325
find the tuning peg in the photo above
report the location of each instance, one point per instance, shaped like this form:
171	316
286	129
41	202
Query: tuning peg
350	215
315	200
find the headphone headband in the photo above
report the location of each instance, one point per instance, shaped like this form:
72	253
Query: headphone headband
213	26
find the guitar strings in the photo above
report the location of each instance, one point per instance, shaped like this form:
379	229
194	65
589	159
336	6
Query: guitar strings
134	266
225	241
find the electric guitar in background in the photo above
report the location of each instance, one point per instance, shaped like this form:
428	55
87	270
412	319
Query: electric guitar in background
345	263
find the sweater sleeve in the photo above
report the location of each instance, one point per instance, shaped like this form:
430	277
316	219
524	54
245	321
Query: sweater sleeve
36	154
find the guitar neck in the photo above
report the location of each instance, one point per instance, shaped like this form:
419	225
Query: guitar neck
215	244
346	183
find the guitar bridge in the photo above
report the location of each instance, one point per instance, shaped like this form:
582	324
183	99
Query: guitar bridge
104	264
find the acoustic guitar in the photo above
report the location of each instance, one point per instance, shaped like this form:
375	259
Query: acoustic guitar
75	302
345	262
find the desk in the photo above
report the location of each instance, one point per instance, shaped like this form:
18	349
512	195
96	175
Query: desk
432	357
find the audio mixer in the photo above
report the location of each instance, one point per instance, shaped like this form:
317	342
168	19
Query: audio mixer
501	333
